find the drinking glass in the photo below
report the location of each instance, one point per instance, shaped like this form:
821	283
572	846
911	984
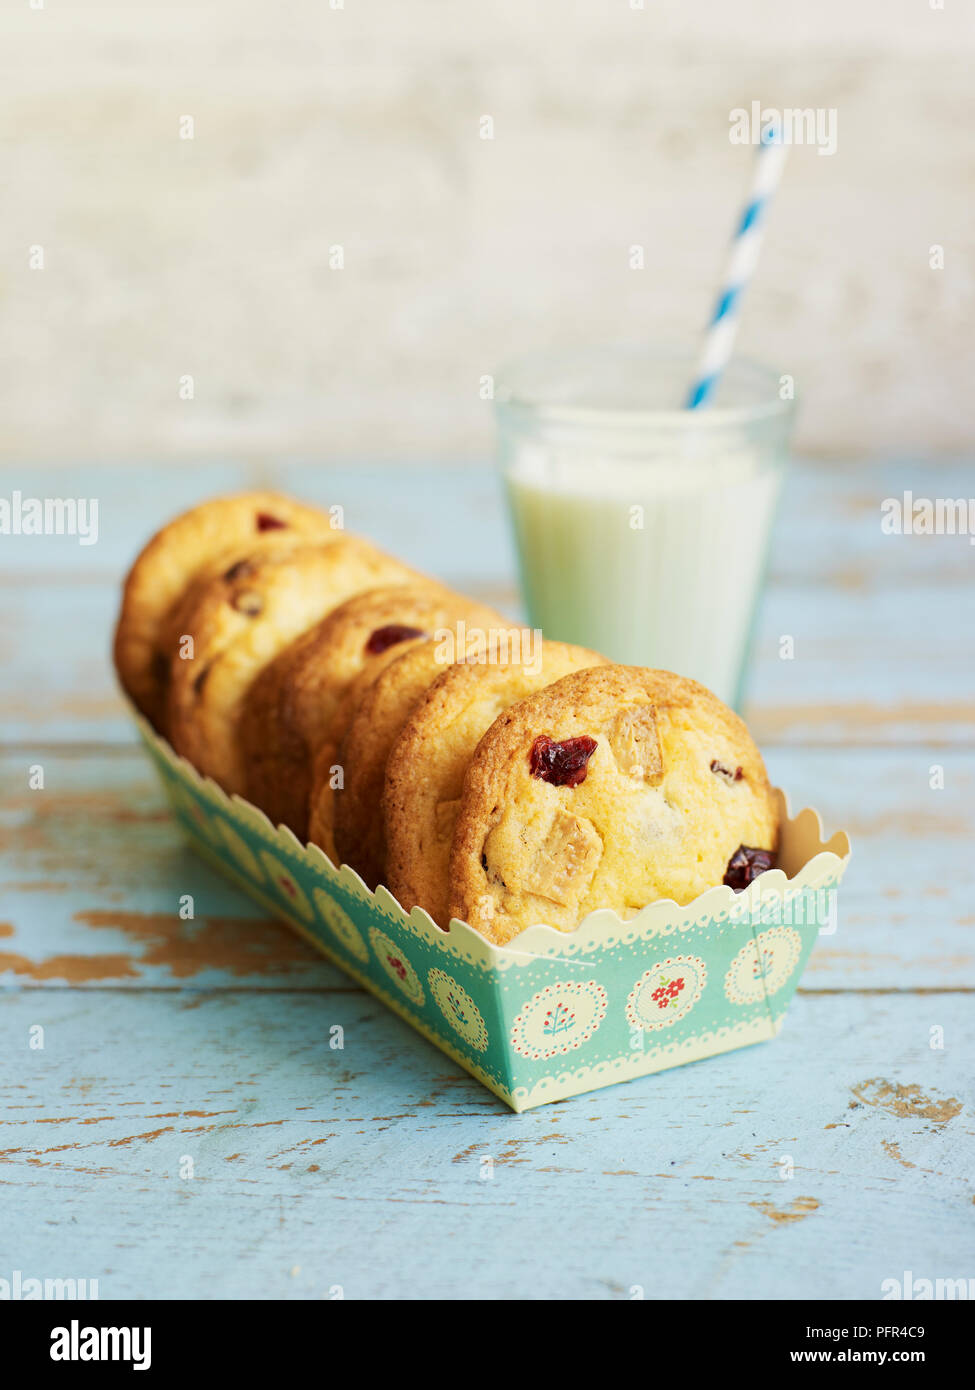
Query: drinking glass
642	528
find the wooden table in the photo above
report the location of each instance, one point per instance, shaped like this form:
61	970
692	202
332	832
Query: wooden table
185	1129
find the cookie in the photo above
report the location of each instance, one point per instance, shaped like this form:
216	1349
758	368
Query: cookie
179	554
290	705
328	775
359	833
428	758
226	630
613	788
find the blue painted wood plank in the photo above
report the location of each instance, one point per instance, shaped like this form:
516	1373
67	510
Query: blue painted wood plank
379	1169
94	877
887	666
906	916
448	518
829	526
890	669
828	532
92	870
133	501
56	678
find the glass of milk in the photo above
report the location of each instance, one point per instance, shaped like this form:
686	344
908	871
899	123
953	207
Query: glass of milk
643	528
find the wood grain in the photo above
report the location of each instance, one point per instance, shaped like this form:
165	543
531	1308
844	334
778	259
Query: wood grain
384	1170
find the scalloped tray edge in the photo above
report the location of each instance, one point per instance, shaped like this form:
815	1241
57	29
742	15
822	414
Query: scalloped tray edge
552	1014
603	927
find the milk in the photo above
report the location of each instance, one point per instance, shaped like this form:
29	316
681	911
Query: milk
651	561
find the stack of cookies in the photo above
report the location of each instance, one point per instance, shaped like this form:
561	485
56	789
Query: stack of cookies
422	739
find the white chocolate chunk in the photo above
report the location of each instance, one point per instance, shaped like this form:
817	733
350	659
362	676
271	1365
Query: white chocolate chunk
565	859
635	743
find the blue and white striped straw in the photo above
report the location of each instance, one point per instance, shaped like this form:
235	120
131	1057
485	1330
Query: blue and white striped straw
747	243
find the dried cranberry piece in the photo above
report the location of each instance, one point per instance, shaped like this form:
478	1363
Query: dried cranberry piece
563	764
720	770
390	635
745	865
267	522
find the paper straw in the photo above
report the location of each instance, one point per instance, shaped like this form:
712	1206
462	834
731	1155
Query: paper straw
747	243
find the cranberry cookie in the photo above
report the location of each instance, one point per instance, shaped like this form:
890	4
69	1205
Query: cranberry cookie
358	824
612	788
345	813
426	764
226	629
289	707
179	554
328	775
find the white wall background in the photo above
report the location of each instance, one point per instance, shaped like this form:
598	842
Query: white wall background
359	126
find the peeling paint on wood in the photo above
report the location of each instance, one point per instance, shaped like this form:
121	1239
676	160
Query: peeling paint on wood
907	1102
796	1211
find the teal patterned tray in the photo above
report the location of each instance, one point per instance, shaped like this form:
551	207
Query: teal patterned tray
554	1014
